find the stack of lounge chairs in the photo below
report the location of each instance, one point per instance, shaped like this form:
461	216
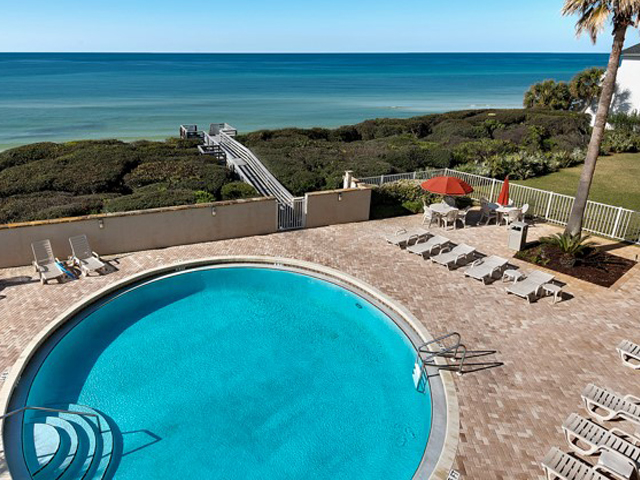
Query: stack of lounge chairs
49	267
618	451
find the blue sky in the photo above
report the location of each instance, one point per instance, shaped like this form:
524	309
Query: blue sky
288	26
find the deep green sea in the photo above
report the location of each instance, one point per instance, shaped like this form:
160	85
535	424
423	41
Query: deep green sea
57	97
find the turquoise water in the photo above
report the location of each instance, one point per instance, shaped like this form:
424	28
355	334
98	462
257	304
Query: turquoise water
245	373
73	96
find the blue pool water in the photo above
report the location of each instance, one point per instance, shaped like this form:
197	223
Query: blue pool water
236	373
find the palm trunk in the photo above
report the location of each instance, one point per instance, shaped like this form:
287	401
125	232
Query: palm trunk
574	226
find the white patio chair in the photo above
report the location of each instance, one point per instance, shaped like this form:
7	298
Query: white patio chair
629	354
449	201
531	287
487	213
486	268
462	216
83	257
47	266
525	209
429	216
512	216
458	255
451	218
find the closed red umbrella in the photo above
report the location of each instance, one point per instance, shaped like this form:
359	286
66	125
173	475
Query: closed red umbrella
503	198
448	186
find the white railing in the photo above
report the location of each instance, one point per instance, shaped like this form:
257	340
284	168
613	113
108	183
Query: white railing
606	220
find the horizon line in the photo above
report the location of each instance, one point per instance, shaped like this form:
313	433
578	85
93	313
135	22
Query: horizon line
307	53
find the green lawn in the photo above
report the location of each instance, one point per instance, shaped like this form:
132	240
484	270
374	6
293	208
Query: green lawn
616	182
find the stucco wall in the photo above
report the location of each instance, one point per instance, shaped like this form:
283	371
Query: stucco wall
338	206
131	231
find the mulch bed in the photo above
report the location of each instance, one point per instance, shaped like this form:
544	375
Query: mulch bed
600	268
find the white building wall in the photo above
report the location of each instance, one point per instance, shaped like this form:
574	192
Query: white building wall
627	97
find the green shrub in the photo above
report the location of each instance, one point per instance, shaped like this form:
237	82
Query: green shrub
94	169
481	150
188	173
235	190
30	153
203	197
625	122
142	200
620	141
407	193
46	205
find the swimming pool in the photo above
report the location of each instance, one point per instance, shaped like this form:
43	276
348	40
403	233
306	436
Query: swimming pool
235	372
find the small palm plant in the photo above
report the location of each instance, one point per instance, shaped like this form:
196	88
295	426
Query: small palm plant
572	246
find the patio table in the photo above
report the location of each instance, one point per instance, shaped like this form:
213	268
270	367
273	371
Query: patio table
441	208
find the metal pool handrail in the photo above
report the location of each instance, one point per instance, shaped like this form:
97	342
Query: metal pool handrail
458	345
47	409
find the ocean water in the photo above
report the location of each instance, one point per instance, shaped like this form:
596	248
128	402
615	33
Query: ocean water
238	373
57	97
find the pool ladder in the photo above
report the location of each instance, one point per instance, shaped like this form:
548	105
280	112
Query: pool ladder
455	354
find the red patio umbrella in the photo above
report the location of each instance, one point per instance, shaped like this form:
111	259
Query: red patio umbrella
503	198
448	186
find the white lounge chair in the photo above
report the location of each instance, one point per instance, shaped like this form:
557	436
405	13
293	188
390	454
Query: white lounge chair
46	264
486	268
429	247
83	257
460	254
603	404
531	286
629	354
403	238
589	438
560	465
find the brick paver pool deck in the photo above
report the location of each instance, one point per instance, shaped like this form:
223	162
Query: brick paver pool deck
510	415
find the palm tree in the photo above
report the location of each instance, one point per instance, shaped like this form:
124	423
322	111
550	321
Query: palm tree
586	87
594	15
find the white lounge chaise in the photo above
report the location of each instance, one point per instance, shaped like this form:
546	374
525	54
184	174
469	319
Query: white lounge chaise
45	263
460	254
603	404
560	465
588	438
83	257
486	268
531	286
403	238
429	247
629	354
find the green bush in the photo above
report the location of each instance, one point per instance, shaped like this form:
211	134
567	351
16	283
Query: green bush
142	200
46	205
620	141
235	190
625	122
524	164
481	150
406	193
